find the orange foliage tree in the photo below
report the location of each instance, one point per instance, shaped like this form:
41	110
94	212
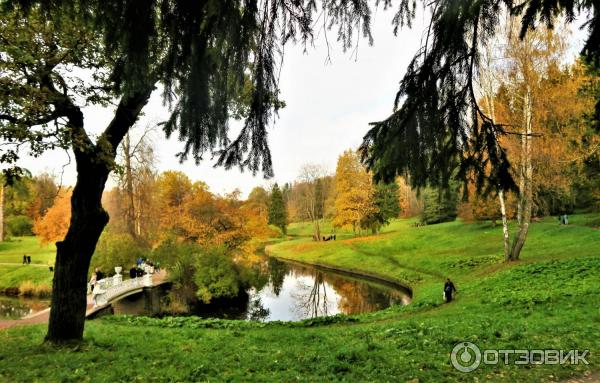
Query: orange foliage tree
54	224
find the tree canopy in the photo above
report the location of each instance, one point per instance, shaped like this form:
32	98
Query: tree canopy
437	130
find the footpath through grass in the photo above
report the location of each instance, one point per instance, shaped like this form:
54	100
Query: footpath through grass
33	279
549	300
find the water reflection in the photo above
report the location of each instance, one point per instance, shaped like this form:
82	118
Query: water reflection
311	298
297	292
288	291
16	308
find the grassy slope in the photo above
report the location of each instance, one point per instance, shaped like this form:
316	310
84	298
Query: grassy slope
12	251
548	300
13	273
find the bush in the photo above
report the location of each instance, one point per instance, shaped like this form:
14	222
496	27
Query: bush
42	291
439	206
198	273
216	275
19	226
171	251
30	289
27	288
117	249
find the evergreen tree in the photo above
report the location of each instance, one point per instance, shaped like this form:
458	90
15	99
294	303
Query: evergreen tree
438	130
214	60
277	210
387	206
439	206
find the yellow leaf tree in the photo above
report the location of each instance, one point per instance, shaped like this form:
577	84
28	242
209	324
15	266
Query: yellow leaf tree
354	186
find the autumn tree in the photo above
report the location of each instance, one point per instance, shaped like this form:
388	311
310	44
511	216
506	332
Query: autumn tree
258	199
354	200
213	60
277	209
539	96
53	226
409	202
25	200
134	171
438	130
44	190
309	196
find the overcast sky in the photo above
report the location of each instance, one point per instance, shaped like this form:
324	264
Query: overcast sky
329	106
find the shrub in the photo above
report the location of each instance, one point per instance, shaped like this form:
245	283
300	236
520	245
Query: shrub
27	288
42	291
19	226
216	275
171	251
117	249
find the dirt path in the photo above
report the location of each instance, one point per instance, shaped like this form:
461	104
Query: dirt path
20	264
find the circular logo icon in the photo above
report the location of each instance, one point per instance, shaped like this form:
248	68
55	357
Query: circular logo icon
465	356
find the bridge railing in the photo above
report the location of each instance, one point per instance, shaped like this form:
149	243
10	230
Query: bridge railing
115	286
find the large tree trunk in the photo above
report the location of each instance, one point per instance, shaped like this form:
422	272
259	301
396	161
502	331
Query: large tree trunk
88	218
74	253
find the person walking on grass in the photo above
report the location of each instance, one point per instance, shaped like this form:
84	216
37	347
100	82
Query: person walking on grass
448	290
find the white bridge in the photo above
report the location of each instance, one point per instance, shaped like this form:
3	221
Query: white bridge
114	288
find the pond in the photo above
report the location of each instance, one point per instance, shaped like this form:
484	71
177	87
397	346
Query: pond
285	291
18	307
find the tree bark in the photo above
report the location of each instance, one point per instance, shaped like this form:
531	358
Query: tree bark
505	233
88	218
1	210
131	211
74	253
525	180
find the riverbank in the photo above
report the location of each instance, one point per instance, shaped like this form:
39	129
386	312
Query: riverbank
547	300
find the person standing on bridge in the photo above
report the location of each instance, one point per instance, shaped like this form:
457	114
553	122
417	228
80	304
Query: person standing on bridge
99	274
97	291
133	272
92	282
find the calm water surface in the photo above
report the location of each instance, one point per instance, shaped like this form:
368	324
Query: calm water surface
16	308
290	292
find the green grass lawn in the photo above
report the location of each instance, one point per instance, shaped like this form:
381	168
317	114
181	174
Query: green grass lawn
15	275
12	251
547	300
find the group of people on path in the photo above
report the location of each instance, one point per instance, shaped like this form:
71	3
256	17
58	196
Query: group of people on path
26	259
143	267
